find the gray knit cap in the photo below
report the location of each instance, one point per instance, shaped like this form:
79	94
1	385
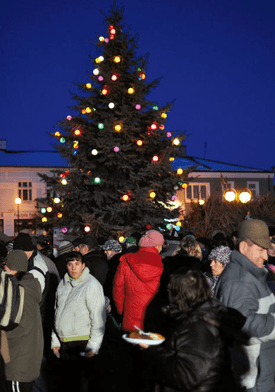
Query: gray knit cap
17	260
220	253
64	247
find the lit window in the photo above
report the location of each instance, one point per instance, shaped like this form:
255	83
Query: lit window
25	190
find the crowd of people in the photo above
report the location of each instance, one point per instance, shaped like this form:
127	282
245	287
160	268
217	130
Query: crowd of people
65	312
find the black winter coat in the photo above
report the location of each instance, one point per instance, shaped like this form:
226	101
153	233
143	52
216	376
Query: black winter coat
195	356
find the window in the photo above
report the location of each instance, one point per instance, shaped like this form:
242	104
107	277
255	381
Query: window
25	190
254	188
197	191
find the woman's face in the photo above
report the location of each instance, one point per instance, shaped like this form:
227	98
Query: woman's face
75	268
217	267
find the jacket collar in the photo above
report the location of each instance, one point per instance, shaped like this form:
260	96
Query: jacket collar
75	282
244	262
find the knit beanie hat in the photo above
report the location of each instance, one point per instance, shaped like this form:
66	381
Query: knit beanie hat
220	253
112	245
17	260
64	247
151	238
131	241
24	242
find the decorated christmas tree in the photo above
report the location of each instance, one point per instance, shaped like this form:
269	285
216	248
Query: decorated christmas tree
119	177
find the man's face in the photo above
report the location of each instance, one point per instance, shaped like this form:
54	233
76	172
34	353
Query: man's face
75	268
83	249
254	253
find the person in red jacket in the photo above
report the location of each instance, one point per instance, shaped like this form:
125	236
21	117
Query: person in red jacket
137	280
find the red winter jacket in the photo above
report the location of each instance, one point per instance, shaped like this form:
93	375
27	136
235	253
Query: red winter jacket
135	283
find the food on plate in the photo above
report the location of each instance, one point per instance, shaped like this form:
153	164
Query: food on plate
149	336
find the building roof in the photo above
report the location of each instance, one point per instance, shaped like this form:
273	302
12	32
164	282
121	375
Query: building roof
31	159
53	159
202	164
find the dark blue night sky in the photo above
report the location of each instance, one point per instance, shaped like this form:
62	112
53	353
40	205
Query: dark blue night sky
216	59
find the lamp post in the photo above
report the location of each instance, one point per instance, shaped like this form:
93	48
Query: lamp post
18	202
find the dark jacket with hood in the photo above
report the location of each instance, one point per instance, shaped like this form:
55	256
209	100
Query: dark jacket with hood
195	356
135	283
26	340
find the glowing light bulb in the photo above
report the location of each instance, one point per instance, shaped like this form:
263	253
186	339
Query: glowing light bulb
114	78
43	210
64	230
44	219
168	134
101	39
155	107
152	195
179	171
106	40
125	197
112	31
155	158
64	182
131	90
163	115
83	111
101	58
139	142
111	105
57	134
176	141
118	128
161	127
117	59
100	126
87	229
96	71
97	60
56	200
154	126
184	185
77	132
49	209
138	106
59	215
121	238
171	159
100	78
69	118
116	149
88	85
88	110
104	91
62	140
94	152
178	223
97	180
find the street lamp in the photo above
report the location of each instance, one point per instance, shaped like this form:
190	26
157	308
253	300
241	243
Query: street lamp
18	202
243	196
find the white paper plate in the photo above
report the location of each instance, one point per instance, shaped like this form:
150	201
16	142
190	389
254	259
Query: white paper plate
149	342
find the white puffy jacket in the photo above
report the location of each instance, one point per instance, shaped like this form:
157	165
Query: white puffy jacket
80	311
